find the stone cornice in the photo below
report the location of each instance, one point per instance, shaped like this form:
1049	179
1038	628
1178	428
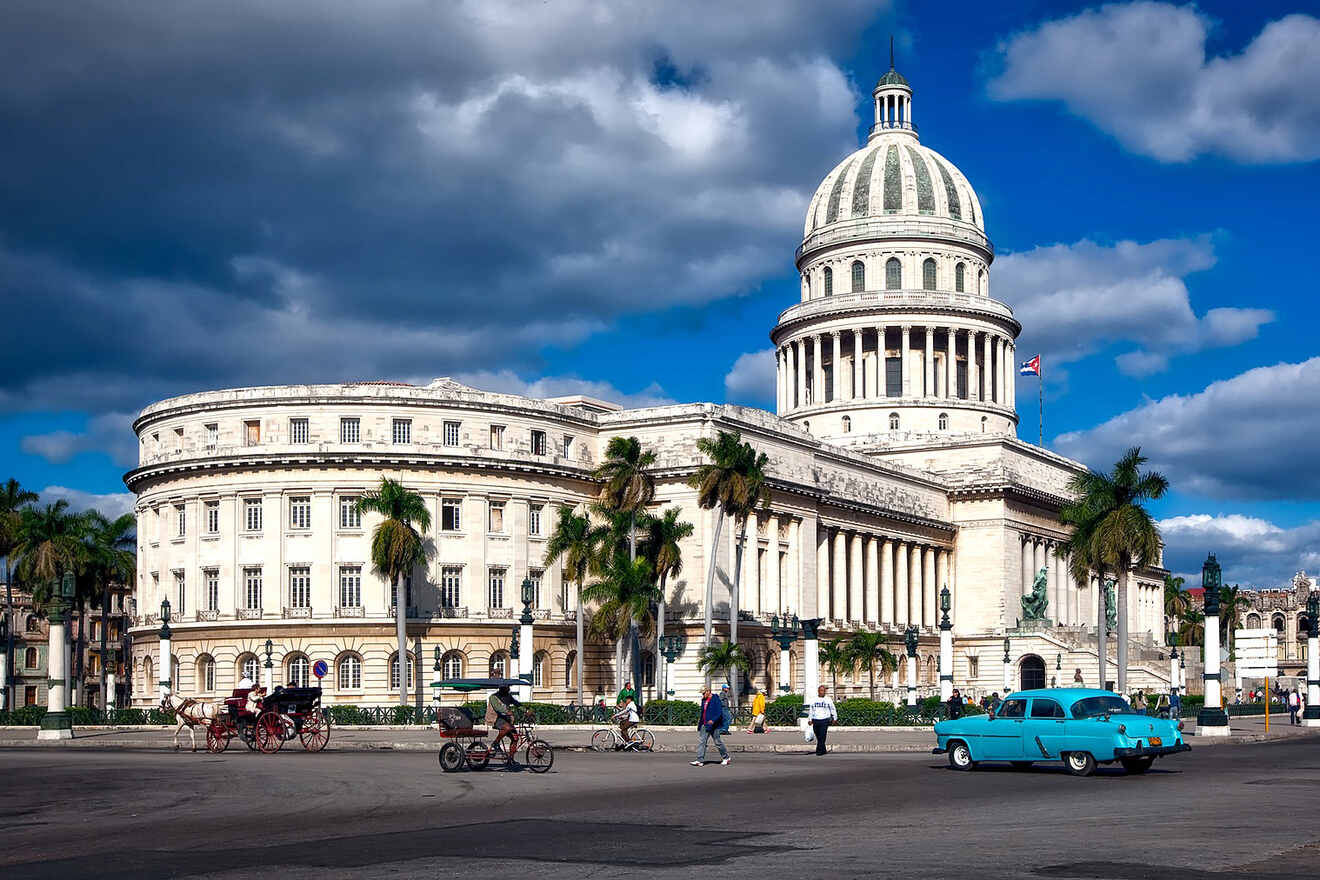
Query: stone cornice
929	305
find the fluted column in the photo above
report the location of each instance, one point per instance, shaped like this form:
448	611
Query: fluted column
1012	376
901	571
798	358
790	588
914	584
817	372
839	598
929	389
858	384
973	374
989	369
928	617
905	371
872	603
887	581
1027	573
771	600
1051	580
752	566
1038	556
823	572
836	368
880	390
855	579
950	375
1001	352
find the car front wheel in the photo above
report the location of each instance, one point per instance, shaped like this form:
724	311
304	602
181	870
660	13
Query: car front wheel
960	757
1080	763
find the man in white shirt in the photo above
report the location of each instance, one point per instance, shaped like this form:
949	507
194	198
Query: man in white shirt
820	713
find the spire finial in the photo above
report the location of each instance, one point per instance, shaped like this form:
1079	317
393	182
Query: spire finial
891	51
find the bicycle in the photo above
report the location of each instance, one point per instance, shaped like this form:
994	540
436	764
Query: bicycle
608	739
538	755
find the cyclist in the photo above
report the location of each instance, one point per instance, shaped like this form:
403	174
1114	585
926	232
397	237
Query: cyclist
626	717
499	717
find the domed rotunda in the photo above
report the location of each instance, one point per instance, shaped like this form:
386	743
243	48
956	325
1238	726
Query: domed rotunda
896	336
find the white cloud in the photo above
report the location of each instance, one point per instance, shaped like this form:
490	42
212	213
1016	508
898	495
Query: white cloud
1251	436
508	382
1139	71
111	433
113	505
752	377
1074	299
1254	552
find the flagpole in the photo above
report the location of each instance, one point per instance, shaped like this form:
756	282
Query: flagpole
1040	380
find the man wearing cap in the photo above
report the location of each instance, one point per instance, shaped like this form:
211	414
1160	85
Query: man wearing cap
725	704
708	727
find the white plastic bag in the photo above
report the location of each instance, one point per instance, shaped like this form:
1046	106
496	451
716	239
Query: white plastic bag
809	732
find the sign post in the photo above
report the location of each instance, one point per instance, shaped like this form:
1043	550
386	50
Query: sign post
319	669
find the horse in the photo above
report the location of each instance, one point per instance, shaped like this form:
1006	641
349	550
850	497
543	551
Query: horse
190	713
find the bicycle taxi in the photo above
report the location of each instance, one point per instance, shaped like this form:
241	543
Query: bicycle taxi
465	746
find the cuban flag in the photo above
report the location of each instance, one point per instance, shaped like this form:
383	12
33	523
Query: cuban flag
1031	367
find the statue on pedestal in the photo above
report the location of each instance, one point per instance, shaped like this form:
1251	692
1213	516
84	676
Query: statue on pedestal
1036	604
1111	607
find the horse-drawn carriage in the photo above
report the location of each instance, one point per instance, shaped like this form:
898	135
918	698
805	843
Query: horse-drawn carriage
265	722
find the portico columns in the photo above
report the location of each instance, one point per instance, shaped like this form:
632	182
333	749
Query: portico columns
929	389
928	617
914	585
904	368
988	382
855	577
1027	574
817	372
858	384
772	598
839	593
836	367
872	603
823	572
1051	581
901	584
800	372
887	581
1038	560
752	565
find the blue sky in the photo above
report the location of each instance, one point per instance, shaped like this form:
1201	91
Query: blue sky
195	198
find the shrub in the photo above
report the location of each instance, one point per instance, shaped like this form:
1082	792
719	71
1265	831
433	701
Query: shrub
27	716
672	712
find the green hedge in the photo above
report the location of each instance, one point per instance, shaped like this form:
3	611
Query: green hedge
30	716
671	712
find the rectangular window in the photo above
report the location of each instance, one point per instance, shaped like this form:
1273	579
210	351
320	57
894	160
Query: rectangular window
538	443
180	594
451	519
451	584
497	516
973	667
350	586
451	433
180	520
212	437
211	587
298	432
402	432
497	588
300	512
349	515
496	436
534	512
252	433
300	587
961	370
568	446
350	430
29	695
252	588
252	514
893	377
534	575
211	517
178	439
407	593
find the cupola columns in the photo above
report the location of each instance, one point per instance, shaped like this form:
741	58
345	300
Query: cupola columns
893	101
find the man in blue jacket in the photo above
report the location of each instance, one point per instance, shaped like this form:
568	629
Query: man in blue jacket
708	726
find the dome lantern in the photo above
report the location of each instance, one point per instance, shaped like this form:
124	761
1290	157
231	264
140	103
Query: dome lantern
892	98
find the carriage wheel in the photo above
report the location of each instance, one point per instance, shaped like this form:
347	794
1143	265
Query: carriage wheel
478	755
217	736
540	756
451	757
315	731
248	733
270	733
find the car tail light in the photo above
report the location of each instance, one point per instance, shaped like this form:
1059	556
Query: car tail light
1180	725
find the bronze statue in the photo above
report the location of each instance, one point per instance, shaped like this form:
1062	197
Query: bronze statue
1036	604
1111	609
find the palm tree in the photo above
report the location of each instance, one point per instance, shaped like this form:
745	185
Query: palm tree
1176	600
1122	532
111	558
627	487
575	541
835	656
49	544
625	592
869	649
396	549
1191	627
1083	559
724	656
13	498
662	545
1232	602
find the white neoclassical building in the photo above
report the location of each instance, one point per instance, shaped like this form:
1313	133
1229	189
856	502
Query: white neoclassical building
895	470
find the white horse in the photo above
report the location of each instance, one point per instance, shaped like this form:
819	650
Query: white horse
190	713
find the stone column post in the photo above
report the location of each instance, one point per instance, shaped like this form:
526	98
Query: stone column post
872	603
911	673
858	383
57	723
901	569
929	364
914	586
817	371
905	370
1212	720
785	670
855	579
946	659
823	572
839	582
836	367
1311	715
887	581
988	383
810	658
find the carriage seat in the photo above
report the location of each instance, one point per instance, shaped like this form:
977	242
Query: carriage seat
461	732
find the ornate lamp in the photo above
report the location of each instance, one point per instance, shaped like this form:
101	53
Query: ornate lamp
165	618
1058	662
785	634
1313	617
910	640
671	646
945	605
1212	580
1007	647
270	646
436	667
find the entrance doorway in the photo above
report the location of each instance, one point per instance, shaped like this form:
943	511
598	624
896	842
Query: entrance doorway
1032	672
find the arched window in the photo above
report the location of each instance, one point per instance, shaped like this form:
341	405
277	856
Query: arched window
960	277
1278	624
394	672
247	667
1253	621
847	424
806	426
32	625
806	286
499	665
983	422
858	276
30	658
350	672
451	665
149	674
893	421
298	670
893	274
928	274
829	281
205	674
538	669
944	421
570	670
980	281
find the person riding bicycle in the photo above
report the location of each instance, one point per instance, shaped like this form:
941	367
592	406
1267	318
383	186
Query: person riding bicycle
626	717
499	717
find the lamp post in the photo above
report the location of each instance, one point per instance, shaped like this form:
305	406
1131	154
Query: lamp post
671	648
527	657
436	673
166	654
785	635
1311	716
1173	667
268	674
946	648
1008	667
1212	719
810	657
4	661
910	641
57	723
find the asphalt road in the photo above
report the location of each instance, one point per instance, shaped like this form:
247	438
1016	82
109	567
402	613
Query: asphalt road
1237	811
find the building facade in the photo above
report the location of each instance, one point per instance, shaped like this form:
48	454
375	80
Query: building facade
894	472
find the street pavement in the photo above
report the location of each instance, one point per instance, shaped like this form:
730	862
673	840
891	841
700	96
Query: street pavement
1220	812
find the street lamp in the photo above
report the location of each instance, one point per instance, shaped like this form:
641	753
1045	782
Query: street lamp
527	658
1212	720
4	660
1311	715
946	646
785	634
57	723
671	647
910	642
1008	666
268	676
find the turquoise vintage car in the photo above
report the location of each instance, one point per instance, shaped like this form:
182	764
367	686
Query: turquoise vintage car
1078	726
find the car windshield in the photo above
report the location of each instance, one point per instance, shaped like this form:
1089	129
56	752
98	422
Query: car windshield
1092	707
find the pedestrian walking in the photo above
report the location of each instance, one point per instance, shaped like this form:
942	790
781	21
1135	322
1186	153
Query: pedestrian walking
726	700
822	713
758	713
1175	705
1294	704
994	702
955	705
708	727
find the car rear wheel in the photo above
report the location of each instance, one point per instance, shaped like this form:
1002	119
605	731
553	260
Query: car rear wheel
1079	763
960	757
1137	766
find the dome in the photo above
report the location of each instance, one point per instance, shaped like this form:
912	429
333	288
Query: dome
894	175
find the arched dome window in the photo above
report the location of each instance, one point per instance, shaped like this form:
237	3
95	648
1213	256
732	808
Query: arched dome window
858	276
394	672
944	421
847	424
829	281
928	274
983	422
960	277
893	421
980	281
893	274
